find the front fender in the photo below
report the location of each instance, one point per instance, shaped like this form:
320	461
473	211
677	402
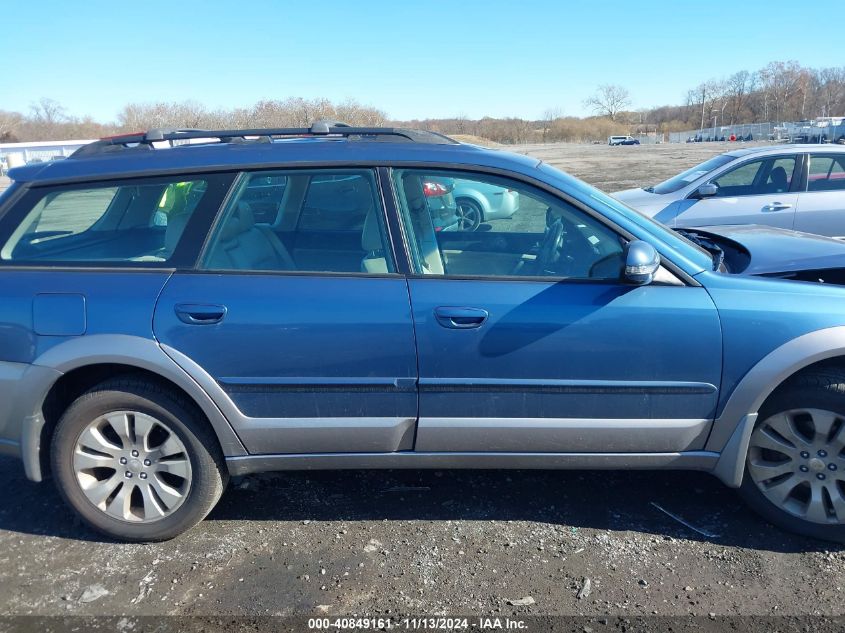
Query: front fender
732	430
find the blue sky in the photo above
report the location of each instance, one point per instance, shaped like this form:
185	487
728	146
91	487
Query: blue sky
413	59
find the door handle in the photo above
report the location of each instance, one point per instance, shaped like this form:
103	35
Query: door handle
776	206
200	314
460	318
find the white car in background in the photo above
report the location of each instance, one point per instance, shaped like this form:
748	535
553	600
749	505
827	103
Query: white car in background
622	140
479	202
798	187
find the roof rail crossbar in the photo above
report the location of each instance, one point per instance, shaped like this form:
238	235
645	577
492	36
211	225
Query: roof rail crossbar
146	140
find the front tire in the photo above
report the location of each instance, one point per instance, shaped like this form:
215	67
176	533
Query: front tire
795	466
137	461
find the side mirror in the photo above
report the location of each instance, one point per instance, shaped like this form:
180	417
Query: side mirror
707	190
641	263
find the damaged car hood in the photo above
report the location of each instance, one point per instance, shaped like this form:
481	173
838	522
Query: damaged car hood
764	250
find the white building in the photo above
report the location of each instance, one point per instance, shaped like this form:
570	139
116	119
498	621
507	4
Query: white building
17	154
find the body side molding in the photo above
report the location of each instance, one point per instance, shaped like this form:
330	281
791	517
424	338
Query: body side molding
560	435
693	460
295	435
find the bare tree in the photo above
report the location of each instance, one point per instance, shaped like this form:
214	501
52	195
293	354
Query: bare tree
609	100
830	90
737	88
781	81
461	122
9	124
136	117
48	111
550	115
354	113
779	91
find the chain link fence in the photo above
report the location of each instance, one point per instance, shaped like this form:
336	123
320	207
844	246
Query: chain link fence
650	138
786	132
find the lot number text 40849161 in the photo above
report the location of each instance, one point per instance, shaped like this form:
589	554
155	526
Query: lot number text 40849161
417	624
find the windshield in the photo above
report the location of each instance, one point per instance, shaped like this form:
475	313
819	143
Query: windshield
691	175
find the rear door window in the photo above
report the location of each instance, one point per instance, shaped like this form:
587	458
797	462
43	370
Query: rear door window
336	202
302	221
827	172
140	222
264	194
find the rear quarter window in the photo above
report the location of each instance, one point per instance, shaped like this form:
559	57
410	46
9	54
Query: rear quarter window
140	222
68	213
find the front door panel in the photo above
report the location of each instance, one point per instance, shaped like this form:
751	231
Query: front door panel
776	210
757	191
564	367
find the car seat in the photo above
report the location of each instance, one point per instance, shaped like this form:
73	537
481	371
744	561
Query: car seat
242	245
778	182
374	261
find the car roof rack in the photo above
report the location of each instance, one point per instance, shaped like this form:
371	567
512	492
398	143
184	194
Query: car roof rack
152	139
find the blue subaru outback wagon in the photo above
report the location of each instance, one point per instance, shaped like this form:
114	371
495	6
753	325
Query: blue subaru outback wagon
179	307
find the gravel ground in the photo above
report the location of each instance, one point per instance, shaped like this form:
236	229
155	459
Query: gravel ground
432	542
428	542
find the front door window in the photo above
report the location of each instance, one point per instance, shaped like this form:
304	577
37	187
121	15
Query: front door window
757	177
515	230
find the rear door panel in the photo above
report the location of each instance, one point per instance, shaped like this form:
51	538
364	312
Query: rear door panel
821	208
310	363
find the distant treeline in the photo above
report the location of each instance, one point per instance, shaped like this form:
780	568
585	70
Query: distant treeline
781	91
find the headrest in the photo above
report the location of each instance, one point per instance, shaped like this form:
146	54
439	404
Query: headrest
414	192
175	227
371	235
246	215
778	177
241	221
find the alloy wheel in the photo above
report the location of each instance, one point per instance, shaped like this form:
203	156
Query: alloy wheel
469	216
797	460
132	466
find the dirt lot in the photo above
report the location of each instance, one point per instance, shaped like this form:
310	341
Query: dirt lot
623	167
426	543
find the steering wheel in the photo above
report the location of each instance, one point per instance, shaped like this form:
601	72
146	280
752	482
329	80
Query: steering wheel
550	249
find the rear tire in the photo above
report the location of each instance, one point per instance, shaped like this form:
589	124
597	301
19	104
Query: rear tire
470	214
137	461
795	466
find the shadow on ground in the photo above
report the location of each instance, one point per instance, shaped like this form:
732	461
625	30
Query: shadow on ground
703	509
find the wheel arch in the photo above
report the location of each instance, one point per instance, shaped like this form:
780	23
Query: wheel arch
476	197
732	429
81	363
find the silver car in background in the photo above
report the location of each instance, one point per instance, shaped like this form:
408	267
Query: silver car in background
480	202
798	187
